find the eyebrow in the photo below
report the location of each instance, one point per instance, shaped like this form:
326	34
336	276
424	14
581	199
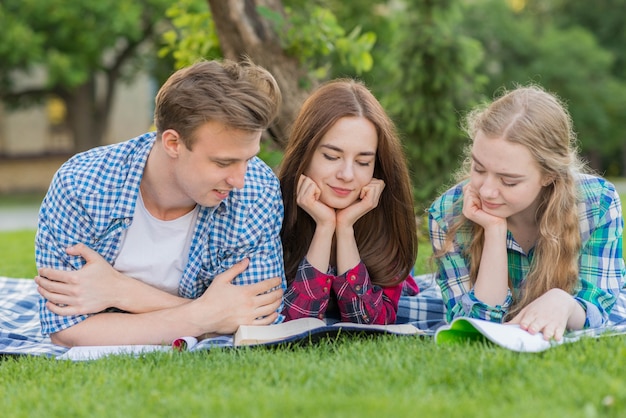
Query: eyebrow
509	175
337	149
227	160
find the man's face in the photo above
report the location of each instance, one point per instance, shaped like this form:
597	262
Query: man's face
216	164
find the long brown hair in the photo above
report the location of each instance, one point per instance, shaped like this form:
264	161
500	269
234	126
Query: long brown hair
538	120
387	235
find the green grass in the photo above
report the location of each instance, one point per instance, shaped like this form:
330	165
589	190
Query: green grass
19	199
346	378
382	376
17	254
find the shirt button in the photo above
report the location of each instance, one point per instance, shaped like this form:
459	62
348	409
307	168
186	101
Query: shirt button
325	290
320	316
357	287
328	280
352	277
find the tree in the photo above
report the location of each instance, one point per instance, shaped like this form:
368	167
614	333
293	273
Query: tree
243	31
435	80
526	46
293	43
84	49
601	19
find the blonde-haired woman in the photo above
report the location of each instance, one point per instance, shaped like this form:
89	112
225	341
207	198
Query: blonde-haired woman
527	236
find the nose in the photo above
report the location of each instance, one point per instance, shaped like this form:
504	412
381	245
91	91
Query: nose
489	188
346	172
237	175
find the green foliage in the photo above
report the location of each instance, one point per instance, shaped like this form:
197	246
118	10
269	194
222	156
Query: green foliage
435	81
527	46
193	35
307	31
69	39
16	32
313	34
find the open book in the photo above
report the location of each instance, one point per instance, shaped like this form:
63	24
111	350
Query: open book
511	336
311	329
298	331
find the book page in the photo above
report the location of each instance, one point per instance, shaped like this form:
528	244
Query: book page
514	338
508	336
407	329
258	334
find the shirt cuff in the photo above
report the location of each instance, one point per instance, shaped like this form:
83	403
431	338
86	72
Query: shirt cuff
475	308
593	318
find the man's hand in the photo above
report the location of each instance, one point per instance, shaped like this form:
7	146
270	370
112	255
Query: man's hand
91	289
224	306
98	286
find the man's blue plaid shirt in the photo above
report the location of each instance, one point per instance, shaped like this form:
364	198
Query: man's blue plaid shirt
92	200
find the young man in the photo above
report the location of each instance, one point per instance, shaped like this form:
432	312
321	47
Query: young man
171	233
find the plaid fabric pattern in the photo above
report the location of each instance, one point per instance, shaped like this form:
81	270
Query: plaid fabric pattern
601	266
358	300
20	331
92	200
425	310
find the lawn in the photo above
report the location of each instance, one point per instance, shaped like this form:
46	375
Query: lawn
367	377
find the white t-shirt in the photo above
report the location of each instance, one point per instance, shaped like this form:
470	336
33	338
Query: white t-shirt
156	251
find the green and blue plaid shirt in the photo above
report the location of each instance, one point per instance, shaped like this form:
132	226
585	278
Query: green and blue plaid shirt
601	263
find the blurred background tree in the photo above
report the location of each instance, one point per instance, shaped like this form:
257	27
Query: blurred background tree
428	61
83	49
545	42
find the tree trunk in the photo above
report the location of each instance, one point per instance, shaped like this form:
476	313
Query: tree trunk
81	117
243	32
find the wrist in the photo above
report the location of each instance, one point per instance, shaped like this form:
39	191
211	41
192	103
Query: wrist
345	230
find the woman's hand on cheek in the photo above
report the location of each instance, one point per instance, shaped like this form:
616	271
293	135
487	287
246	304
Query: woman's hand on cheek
368	200
473	209
308	195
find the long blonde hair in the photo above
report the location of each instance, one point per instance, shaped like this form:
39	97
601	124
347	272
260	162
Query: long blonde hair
538	120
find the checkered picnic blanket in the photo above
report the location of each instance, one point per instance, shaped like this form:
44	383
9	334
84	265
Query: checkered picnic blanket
20	331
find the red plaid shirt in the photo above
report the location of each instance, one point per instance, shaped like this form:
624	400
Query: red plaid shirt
358	299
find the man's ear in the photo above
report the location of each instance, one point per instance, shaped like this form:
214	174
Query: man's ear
170	139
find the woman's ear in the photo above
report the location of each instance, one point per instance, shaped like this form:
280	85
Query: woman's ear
547	181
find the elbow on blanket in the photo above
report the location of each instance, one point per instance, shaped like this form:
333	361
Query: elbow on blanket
63	338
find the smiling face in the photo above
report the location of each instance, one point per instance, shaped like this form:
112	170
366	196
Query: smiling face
216	164
343	162
505	176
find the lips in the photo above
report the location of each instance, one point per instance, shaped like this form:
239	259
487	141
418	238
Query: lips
491	206
222	194
339	191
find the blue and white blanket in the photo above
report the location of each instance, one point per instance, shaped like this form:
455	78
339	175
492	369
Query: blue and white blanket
20	331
